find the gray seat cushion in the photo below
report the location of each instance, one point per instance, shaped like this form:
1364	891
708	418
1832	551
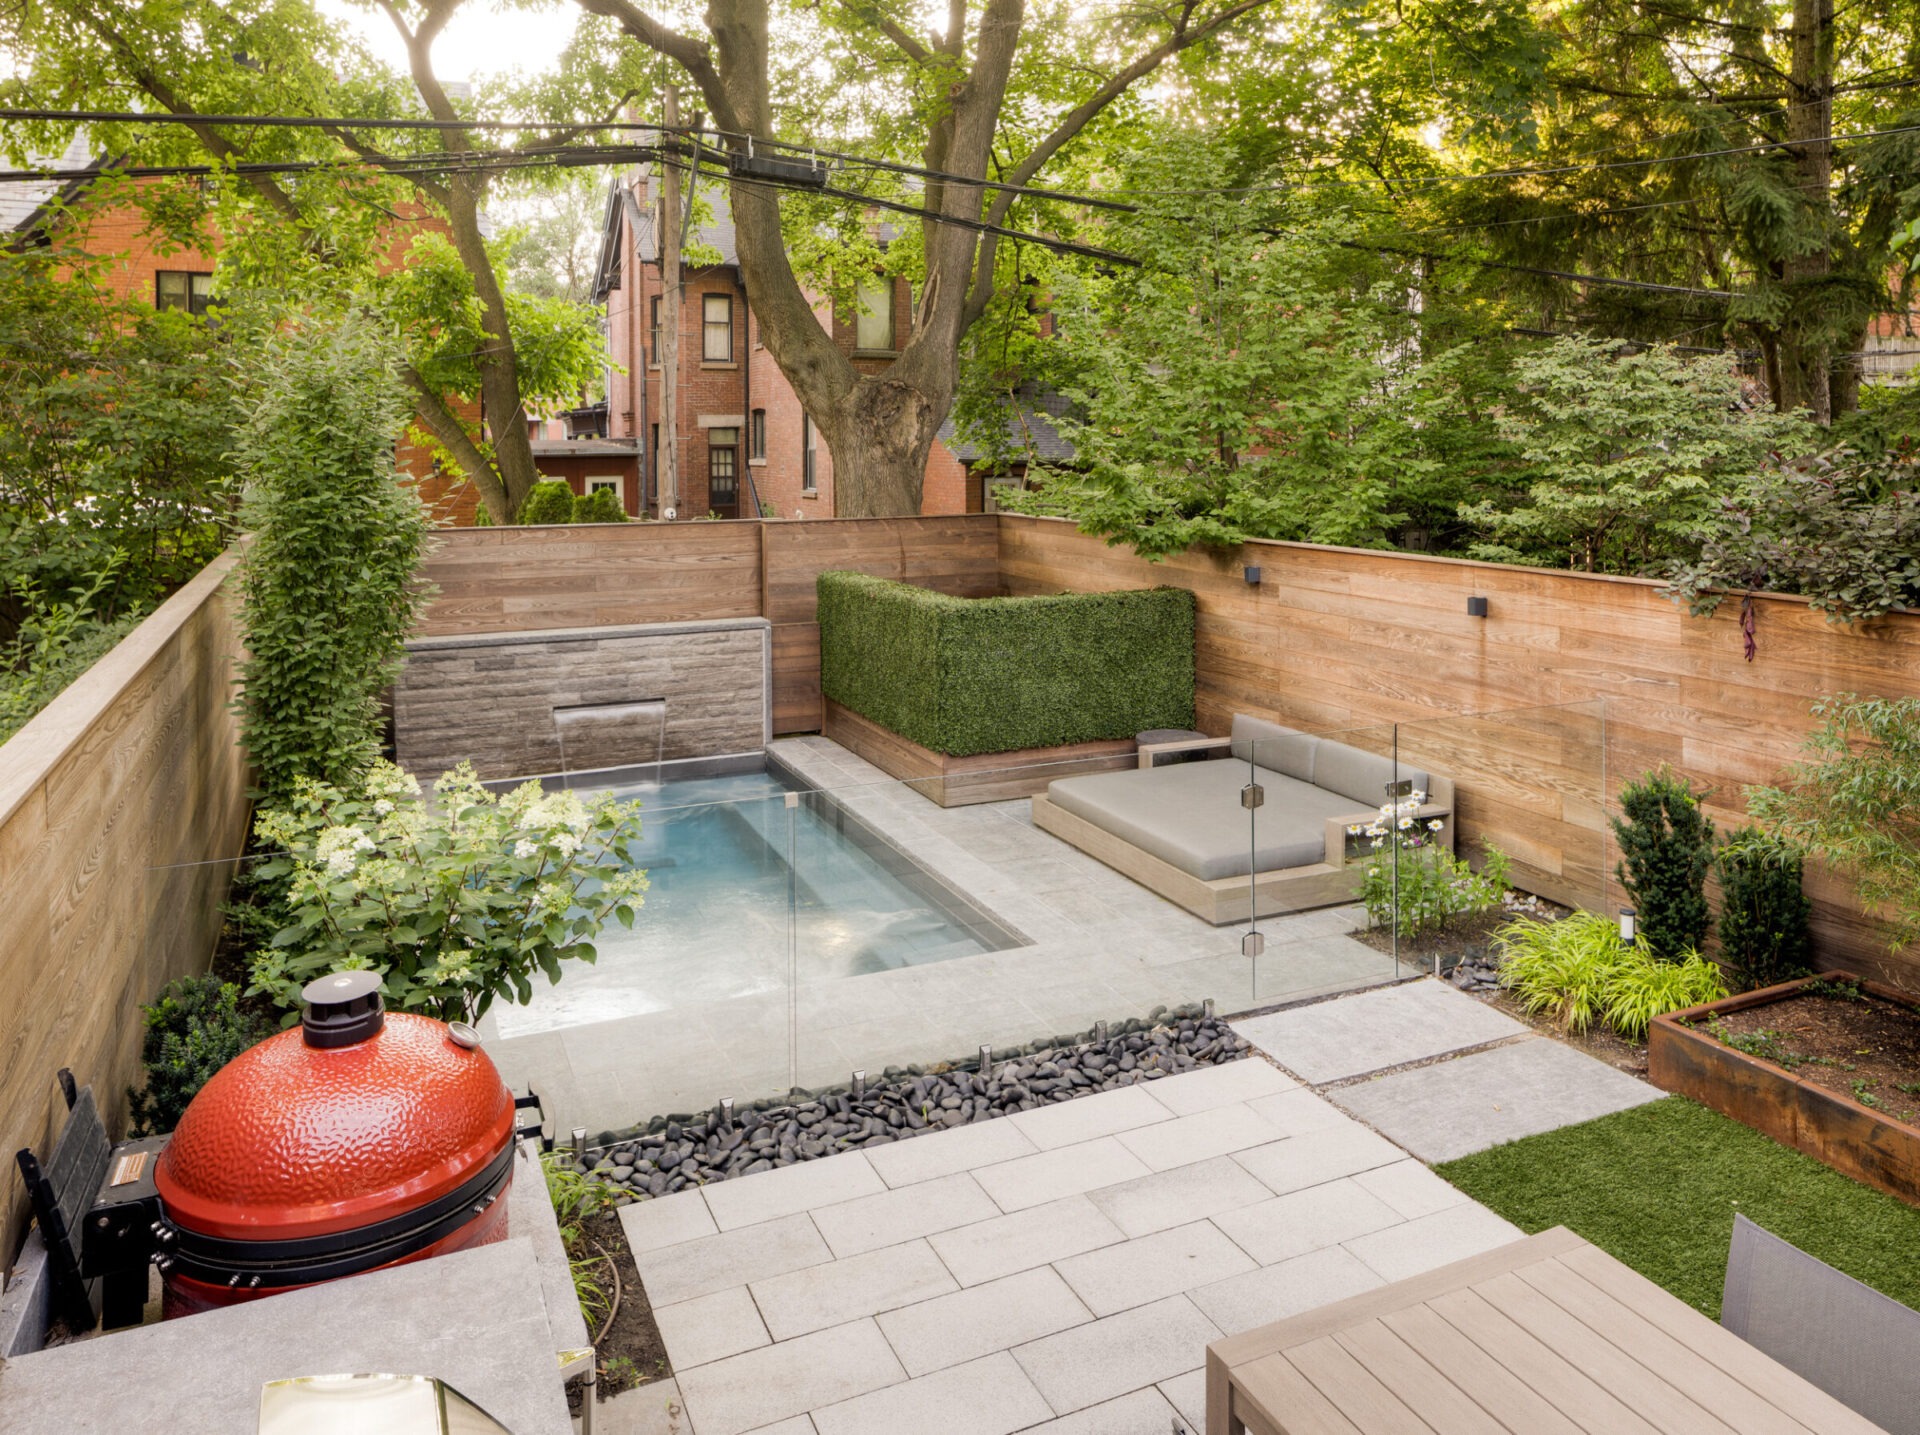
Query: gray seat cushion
1362	776
1266	744
1190	816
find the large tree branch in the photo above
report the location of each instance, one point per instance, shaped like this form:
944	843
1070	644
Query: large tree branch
441	421
1184	36
692	55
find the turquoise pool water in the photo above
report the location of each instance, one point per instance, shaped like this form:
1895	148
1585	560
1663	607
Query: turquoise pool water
749	895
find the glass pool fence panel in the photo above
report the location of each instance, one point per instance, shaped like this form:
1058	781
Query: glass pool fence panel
690	1006
1314	885
1524	789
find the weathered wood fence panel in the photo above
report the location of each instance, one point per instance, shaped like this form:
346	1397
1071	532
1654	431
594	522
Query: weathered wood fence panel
1345	639
958	555
512	580
122	809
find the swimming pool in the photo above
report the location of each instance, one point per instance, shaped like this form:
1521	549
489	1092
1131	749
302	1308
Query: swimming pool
749	894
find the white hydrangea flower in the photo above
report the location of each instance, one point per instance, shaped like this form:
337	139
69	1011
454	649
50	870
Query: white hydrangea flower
567	843
525	848
382	808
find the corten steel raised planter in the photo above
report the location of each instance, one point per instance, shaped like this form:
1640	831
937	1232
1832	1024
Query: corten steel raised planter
1868	1145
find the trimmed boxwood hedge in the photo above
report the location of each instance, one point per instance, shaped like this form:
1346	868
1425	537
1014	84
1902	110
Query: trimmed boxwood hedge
972	675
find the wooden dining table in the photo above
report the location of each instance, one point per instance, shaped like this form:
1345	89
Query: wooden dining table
1545	1336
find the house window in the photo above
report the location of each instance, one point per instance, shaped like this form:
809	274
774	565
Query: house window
717	315
809	480
723	472
594	485
655	327
177	289
874	328
757	434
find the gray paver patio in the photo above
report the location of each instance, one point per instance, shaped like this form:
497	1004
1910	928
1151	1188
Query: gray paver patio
1352	1036
1014	1306
1457	1107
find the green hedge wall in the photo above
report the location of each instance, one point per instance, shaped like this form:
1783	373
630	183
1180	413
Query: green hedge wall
972	675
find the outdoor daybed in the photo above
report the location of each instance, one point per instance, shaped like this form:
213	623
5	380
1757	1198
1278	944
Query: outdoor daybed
1182	831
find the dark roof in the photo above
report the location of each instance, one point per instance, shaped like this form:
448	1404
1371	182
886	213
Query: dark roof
1031	434
585	447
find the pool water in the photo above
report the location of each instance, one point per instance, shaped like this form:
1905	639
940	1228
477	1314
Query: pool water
747	895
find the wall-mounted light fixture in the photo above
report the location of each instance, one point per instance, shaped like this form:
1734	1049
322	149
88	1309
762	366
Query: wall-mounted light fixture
1477	606
1252	574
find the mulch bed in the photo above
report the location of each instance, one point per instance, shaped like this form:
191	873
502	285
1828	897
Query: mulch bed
630	1350
1463	939
1846	1040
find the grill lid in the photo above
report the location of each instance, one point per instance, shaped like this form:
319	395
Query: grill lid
382	1114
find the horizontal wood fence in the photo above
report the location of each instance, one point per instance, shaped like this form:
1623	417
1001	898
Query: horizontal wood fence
500	580
1335	639
122	808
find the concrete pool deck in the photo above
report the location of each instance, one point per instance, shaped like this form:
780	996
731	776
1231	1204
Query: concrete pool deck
1099	948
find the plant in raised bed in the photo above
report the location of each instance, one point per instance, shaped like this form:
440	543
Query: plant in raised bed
455	902
1855	802
1666	850
1763	911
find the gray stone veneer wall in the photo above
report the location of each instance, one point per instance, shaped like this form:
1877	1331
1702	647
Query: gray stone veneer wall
489	698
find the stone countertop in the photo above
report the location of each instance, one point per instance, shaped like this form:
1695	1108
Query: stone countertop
476	1319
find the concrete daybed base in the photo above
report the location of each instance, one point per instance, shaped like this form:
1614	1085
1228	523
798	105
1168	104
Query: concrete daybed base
1181	831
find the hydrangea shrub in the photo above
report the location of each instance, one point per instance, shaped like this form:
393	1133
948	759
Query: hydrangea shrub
456	901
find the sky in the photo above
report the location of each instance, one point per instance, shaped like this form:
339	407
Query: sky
480	40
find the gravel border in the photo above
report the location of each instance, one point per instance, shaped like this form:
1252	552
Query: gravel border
672	1153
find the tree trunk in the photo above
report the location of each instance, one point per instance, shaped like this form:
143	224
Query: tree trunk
1806	354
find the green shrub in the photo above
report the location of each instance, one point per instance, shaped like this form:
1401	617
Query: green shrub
1666	850
56	642
548	501
195	1028
329	582
1855	802
454	902
1581	970
600	506
975	675
1763	911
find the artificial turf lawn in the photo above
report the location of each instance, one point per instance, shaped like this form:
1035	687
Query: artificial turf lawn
1658	1187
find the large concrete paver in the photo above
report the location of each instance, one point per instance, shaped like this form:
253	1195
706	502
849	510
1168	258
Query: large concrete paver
791	1378
1374	1030
989	1396
1111	1357
1457	1107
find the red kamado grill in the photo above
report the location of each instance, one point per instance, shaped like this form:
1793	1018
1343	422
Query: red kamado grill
364	1139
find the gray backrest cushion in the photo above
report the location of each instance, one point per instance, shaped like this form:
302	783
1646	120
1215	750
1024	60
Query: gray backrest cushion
1846	1338
1283	749
1363	776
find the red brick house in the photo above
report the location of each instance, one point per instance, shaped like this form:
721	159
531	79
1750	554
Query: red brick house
746	447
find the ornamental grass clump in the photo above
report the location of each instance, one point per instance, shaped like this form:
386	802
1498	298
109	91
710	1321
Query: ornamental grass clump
1580	971
455	902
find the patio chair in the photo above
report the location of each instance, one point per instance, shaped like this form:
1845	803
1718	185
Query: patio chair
1845	1337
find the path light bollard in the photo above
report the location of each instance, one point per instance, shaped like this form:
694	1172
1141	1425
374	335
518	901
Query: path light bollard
723	1113
859	1085
1100	1032
986	1062
579	1147
1206	1009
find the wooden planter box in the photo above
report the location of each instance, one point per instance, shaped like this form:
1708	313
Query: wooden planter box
958	781
1858	1141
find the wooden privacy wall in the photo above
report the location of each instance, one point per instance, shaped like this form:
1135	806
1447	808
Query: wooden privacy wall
502	580
512	580
1348	639
958	555
122	807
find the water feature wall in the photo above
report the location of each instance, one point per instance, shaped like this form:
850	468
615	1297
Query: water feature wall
577	700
